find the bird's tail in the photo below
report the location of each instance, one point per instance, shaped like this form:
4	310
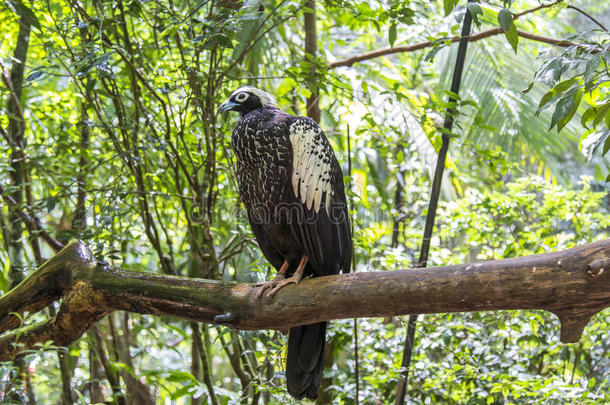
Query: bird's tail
305	360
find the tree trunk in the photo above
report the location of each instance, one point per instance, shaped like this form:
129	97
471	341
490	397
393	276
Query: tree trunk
16	130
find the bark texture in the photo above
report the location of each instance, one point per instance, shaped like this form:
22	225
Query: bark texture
573	284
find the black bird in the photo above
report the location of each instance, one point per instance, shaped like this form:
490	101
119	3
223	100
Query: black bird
292	187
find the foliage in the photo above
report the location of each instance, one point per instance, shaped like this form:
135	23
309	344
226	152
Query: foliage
580	74
492	357
122	147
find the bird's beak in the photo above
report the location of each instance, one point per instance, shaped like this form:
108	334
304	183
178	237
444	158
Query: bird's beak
226	106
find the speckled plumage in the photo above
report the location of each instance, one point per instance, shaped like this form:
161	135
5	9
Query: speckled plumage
291	185
289	179
262	156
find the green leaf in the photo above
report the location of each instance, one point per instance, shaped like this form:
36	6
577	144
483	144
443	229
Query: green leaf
430	56
553	93
534	326
505	19
606	146
4	283
475	12
550	72
449	5
601	113
587	116
392	35
562	108
180	392
80	397
512	36
566	108
590	69
564	121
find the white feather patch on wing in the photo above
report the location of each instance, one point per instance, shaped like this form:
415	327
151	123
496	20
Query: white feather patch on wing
311	165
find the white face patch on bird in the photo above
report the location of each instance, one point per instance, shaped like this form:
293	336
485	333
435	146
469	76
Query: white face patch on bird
246	99
265	98
241	97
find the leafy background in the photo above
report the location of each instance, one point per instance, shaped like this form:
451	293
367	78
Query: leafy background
121	146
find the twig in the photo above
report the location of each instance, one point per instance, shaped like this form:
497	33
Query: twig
31	221
235	361
422	45
589	16
540	7
472	38
434	197
546	40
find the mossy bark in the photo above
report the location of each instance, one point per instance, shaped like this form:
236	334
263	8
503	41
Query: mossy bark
574	284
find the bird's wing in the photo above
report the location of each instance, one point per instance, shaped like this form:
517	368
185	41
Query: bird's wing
322	226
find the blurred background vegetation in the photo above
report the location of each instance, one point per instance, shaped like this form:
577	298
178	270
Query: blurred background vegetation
110	135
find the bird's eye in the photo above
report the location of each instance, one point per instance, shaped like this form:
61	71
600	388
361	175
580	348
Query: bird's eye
241	97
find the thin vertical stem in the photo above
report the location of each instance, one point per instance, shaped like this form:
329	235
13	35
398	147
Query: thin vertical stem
351	210
311	49
434	197
207	380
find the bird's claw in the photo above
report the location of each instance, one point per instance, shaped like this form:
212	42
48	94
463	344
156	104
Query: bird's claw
267	285
282	284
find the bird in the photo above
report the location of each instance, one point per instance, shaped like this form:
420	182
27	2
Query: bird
291	185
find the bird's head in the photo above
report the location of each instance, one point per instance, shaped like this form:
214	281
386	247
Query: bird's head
246	99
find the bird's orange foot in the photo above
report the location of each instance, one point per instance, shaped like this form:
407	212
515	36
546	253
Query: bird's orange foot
290	280
280	280
269	284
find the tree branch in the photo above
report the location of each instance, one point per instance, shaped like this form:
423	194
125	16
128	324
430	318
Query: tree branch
481	35
32	222
589	16
573	284
422	45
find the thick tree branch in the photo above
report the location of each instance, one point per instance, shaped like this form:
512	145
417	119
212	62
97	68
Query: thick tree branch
574	284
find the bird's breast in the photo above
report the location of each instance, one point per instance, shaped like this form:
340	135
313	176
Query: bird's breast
262	164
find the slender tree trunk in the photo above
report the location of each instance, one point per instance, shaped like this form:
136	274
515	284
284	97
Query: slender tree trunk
205	363
16	130
196	368
136	392
409	345
111	375
313	112
311	49
95	375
